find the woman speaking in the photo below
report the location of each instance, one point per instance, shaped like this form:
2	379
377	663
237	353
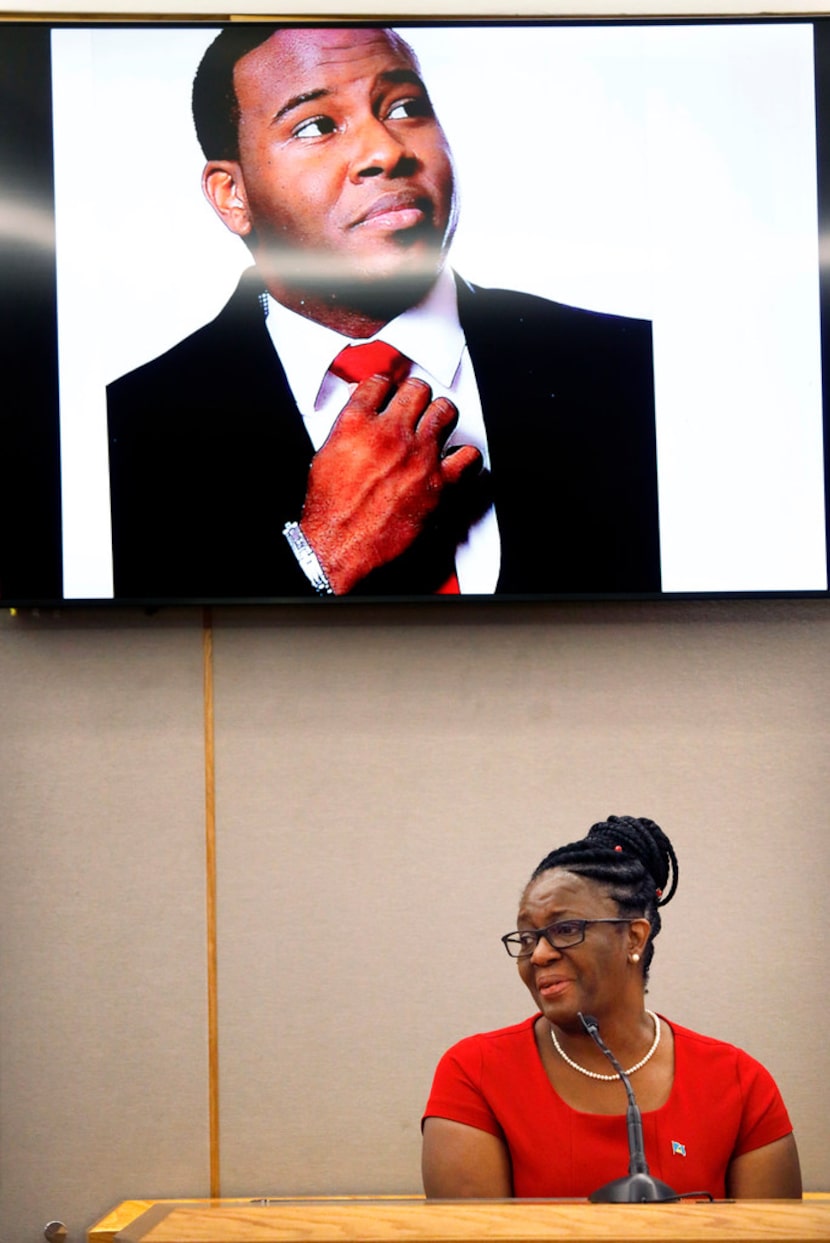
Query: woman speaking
536	1110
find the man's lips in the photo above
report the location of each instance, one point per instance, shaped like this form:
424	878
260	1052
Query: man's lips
395	211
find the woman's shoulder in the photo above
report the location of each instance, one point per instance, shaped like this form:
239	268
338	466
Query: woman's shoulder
500	1039
489	1062
710	1049
514	1032
707	1069
686	1034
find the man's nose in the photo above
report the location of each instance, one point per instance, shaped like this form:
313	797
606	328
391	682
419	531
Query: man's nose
379	152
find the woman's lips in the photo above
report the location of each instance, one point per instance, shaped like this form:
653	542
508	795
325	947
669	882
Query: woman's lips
552	988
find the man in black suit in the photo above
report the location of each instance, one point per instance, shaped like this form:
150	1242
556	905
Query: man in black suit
234	475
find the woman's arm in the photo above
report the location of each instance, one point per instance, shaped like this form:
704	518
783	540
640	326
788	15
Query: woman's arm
769	1173
459	1162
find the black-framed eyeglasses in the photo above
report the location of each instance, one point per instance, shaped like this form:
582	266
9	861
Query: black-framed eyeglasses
562	935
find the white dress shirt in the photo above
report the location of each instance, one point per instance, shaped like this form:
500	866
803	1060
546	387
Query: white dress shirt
431	335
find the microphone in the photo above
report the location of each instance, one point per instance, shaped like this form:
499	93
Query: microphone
638	1186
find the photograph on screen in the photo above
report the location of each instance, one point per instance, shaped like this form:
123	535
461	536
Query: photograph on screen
595	245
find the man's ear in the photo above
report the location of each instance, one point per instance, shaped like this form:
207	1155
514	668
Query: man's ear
224	189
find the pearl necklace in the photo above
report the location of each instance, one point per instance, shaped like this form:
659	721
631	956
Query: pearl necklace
592	1074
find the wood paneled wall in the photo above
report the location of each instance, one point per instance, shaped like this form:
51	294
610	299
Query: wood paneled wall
384	782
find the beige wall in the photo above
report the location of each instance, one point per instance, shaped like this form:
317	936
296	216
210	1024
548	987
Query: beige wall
384	782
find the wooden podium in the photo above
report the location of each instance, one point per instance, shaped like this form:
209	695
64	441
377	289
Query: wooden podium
413	1220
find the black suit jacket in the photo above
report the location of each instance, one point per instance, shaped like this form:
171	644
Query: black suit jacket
209	458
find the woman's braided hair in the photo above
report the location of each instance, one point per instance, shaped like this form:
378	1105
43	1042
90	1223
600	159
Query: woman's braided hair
635	862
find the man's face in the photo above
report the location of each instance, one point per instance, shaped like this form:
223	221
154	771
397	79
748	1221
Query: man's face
344	173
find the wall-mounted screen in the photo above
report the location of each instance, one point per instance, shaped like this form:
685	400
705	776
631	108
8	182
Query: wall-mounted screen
497	309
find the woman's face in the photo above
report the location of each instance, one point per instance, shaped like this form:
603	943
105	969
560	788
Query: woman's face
593	976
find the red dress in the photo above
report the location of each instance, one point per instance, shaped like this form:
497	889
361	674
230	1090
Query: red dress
722	1104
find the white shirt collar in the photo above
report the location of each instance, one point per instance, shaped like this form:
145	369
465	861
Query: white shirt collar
429	333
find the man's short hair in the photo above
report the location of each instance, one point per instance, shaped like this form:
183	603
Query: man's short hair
214	102
215	106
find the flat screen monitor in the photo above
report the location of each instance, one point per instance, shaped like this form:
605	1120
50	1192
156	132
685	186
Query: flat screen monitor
590	257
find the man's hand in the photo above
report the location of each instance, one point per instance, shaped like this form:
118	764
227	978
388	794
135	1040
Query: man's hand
378	477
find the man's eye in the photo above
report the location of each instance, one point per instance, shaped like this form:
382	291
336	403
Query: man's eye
402	109
527	938
314	127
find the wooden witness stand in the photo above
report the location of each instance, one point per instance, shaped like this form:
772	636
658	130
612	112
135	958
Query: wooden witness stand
396	1218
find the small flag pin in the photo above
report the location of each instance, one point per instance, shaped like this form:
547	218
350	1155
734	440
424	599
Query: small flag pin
677	1150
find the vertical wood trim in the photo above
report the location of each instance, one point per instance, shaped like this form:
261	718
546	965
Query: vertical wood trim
210	899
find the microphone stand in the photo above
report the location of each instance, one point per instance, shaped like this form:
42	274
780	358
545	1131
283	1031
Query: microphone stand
638	1186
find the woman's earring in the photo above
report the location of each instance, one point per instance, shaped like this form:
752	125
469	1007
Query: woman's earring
635	957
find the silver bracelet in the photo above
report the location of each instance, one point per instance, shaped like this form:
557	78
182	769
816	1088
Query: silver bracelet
307	559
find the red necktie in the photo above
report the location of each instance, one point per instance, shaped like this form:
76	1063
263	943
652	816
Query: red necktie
358	362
